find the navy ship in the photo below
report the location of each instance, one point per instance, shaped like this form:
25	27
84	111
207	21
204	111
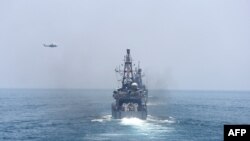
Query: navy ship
131	98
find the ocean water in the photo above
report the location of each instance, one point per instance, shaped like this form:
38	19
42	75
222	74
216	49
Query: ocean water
79	115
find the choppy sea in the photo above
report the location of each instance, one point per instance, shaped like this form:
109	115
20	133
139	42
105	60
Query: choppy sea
85	115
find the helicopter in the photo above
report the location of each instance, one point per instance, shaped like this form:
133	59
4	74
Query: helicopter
50	45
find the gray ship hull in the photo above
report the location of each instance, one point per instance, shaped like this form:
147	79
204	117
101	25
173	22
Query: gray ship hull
129	114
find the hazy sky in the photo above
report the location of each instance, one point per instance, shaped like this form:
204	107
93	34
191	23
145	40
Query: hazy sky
181	44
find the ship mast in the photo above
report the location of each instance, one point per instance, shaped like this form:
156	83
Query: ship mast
128	77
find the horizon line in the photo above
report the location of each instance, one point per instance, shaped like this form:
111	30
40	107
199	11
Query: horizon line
154	89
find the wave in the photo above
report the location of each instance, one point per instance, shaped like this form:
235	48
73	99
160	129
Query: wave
153	127
150	119
102	119
161	119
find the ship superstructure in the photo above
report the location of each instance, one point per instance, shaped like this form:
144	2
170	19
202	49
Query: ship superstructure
131	98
